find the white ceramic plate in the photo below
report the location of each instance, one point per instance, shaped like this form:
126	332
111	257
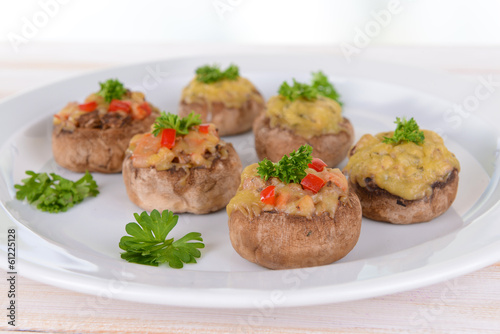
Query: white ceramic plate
79	250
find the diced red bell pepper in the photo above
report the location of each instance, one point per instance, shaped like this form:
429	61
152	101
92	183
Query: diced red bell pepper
203	128
267	196
168	138
116	105
90	106
141	111
317	164
145	106
312	182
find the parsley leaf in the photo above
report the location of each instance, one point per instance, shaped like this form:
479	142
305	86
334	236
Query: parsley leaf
55	194
210	74
405	131
324	87
319	86
147	241
171	121
290	168
112	89
298	90
267	169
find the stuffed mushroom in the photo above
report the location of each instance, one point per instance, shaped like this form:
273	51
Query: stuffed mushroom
405	176
181	166
295	213
304	114
223	98
93	136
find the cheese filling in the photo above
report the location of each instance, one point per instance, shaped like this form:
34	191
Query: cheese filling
289	198
196	149
407	170
233	93
138	109
305	118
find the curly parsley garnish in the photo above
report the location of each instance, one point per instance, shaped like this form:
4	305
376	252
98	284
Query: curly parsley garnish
112	89
324	87
405	131
298	90
210	74
147	241
290	168
319	86
180	124
54	193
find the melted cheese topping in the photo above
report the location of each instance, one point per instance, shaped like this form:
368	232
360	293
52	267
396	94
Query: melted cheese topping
195	149
406	170
233	93
289	198
68	116
305	118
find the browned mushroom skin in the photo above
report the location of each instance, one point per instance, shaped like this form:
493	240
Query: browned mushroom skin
274	143
379	204
196	190
228	120
282	241
97	144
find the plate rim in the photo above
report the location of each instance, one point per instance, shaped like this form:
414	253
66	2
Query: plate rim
482	257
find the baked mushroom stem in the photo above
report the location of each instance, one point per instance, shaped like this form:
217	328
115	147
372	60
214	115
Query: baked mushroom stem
181	166
304	114
295	213
404	176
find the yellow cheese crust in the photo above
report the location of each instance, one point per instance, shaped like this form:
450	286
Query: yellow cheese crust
290	198
407	170
233	93
307	118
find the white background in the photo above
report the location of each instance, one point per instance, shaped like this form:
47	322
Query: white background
278	22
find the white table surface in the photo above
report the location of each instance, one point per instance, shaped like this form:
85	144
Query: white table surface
470	303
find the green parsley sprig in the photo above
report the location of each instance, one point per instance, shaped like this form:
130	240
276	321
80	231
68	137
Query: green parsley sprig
298	90
319	86
53	193
112	89
324	87
210	74
406	131
290	168
147	241
180	124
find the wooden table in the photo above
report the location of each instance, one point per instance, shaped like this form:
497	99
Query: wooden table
472	306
